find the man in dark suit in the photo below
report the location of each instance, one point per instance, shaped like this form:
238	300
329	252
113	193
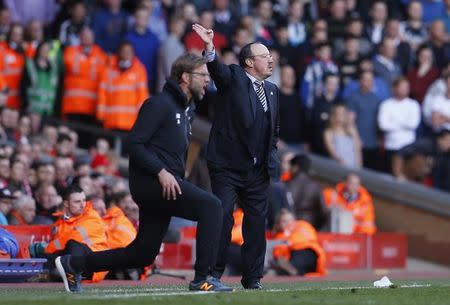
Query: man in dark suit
242	149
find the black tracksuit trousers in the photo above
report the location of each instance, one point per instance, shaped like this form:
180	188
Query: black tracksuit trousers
154	216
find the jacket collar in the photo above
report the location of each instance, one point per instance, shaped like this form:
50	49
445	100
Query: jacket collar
174	89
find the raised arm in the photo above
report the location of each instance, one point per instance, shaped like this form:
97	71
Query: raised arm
220	73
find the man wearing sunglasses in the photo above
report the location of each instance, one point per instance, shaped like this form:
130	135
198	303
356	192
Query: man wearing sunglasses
242	148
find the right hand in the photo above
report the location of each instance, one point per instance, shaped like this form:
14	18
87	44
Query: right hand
170	186
206	35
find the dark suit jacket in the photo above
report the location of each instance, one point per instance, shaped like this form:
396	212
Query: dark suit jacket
232	142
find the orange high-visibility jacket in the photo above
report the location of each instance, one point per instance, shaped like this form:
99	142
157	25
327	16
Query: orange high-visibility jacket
121	94
87	228
81	79
11	68
236	232
119	229
300	235
362	208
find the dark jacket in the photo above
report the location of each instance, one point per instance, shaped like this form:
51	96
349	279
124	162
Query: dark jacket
232	144
160	136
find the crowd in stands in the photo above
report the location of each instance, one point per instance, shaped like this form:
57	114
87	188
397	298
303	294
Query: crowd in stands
366	83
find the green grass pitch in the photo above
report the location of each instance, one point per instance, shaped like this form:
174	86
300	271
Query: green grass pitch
428	292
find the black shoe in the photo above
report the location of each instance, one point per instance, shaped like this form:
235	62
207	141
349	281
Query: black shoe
254	285
210	284
71	279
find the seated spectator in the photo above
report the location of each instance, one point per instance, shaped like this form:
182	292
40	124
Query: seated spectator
304	194
354	198
312	83
415	160
341	138
79	230
437	111
5	170
413	29
349	61
300	253
100	160
354	28
48	202
423	74
398	118
18	180
378	15
6	204
23	212
404	53
439	42
122	90
34	35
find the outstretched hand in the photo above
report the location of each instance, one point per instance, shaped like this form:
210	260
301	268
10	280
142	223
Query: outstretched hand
206	35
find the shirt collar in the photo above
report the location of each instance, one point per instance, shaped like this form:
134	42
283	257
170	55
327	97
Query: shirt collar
253	79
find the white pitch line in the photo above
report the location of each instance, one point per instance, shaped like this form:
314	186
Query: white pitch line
158	292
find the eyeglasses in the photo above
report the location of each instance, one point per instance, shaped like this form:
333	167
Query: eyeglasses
265	56
207	75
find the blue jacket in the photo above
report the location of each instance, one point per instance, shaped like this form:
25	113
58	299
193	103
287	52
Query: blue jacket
146	48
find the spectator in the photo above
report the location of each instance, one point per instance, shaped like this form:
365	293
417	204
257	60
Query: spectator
5	170
64	147
264	24
110	25
18	180
398	118
354	28
5	23
341	138
86	184
424	74
23	212
312	84
45	173
63	172
437	112
9	120
12	69
413	30
170	49
6	197
353	197
157	22
384	63
40	84
145	44
378	16
276	69
349	61
123	89
241	37
438	150
34	35
292	112
47	203
304	194
224	18
83	65
296	27
288	52
439	41
337	19
363	105
70	29
300	252
404	54
320	112
194	43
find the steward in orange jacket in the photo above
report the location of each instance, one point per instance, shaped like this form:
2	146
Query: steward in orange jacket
12	62
79	225
351	196
123	89
300	248
83	66
119	229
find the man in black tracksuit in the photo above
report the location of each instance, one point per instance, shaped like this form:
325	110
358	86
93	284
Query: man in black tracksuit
157	146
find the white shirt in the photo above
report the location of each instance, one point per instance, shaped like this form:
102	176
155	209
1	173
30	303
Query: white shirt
438	88
399	121
441	105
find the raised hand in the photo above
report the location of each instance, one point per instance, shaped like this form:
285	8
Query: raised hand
206	35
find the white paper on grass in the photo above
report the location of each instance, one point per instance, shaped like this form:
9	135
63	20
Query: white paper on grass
383	283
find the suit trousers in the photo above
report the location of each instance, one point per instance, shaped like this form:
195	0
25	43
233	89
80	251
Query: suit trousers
250	191
154	216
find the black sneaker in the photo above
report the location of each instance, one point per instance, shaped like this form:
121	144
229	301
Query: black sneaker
210	284
254	285
71	279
